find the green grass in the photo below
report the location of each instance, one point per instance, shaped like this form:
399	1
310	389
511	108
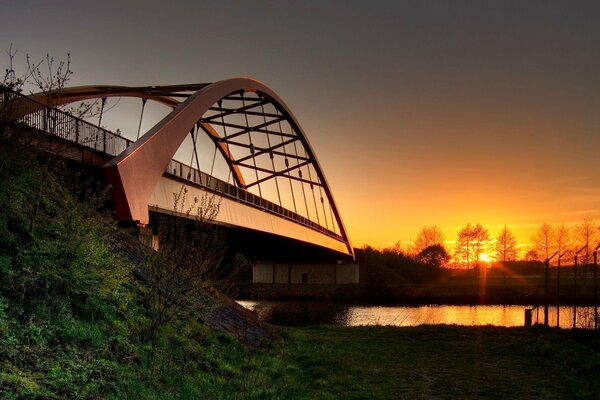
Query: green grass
443	362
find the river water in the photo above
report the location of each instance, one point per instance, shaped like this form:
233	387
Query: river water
303	313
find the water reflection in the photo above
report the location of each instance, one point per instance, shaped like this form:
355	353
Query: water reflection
302	313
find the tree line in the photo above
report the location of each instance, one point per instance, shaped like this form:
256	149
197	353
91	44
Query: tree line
475	246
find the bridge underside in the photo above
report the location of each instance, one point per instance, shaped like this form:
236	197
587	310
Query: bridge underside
245	215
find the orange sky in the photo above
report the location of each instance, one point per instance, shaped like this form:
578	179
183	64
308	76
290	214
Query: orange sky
421	113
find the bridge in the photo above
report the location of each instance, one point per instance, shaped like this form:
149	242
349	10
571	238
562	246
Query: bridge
272	187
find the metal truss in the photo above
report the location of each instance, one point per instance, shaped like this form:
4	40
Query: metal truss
251	128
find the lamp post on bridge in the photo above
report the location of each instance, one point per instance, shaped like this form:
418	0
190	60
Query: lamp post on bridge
546	287
558	289
575	287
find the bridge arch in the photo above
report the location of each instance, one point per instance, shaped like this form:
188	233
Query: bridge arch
135	172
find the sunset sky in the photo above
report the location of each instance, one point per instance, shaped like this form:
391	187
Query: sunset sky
421	113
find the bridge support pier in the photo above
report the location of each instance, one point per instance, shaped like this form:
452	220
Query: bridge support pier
299	273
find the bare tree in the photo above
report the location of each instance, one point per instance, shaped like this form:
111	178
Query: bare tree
586	234
543	241
562	239
428	236
43	76
472	242
11	80
506	246
191	247
480	243
505	249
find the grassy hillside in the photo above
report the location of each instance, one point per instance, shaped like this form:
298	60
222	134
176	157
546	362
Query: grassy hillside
73	318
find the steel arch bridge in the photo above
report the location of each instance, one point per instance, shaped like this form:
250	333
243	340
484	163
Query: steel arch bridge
271	165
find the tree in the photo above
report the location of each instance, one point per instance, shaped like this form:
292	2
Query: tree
543	241
562	239
481	238
506	246
586	235
44	76
435	256
428	236
472	242
532	255
396	248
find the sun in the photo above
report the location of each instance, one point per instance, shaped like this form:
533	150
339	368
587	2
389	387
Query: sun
485	257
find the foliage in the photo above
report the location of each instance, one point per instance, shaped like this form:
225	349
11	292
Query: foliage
190	250
71	314
435	256
388	267
57	269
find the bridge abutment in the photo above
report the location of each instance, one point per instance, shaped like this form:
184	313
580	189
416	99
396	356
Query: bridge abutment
305	273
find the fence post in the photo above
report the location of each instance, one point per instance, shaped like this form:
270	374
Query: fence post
546	292
595	292
558	294
575	293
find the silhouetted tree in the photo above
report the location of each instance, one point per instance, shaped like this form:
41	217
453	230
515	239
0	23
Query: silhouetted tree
428	236
435	256
506	246
532	255
505	249
562	239
471	243
586	235
543	241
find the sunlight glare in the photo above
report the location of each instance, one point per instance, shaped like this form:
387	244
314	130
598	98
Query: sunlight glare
485	257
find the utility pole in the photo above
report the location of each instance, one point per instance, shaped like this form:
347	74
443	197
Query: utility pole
546	287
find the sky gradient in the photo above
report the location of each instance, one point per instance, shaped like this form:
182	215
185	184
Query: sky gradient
420	113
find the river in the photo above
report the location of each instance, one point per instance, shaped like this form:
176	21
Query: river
304	313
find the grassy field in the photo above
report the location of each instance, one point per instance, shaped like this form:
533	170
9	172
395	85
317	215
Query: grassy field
332	362
444	362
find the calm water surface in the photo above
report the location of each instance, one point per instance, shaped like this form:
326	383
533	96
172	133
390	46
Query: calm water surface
302	313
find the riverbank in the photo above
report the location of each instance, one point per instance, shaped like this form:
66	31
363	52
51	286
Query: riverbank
454	289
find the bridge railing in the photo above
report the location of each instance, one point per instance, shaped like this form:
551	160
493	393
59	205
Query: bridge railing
63	125
68	127
185	172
